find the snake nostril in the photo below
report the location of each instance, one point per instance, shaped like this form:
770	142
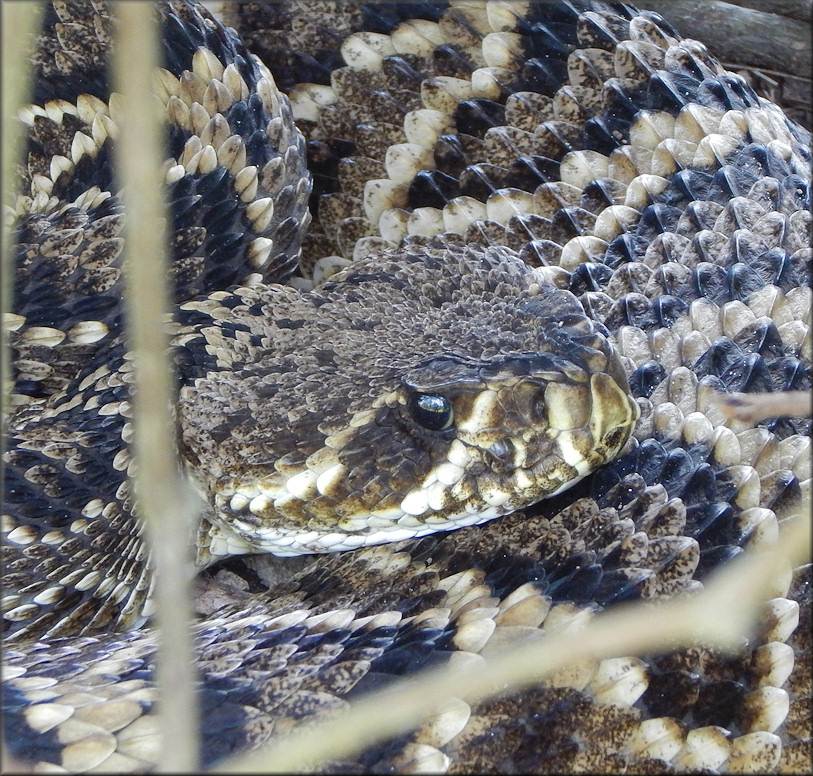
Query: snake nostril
500	456
502	450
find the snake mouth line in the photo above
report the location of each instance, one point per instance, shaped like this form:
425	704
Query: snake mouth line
245	537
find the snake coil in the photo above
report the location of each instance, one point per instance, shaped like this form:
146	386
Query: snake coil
434	264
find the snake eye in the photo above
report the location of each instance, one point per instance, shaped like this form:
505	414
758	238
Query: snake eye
431	410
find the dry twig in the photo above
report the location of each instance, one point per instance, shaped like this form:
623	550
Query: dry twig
168	511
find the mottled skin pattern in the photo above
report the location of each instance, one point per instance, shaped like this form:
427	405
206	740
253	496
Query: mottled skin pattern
628	170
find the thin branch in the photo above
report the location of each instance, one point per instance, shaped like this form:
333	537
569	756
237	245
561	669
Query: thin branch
19	23
753	407
716	617
744	35
158	487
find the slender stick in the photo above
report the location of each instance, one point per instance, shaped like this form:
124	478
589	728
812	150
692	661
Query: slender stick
159	490
716	617
19	22
743	35
753	407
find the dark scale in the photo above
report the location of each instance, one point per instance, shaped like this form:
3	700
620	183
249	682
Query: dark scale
47	138
323	162
691	697
790	374
730	181
480	181
761	337
709	281
722	356
797	189
571	222
89	171
633	309
600	193
627	247
475	117
528	172
670	91
432	188
667	309
753	161
727	92
246	117
786	271
450	155
307	67
589	276
646	378
414	648
180	42
605	133
657	219
543	75
399	70
740	282
749	375
550	38
620	104
257	151
51	83
692	184
207	209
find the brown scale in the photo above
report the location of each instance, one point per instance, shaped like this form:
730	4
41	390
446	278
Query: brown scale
375	137
78	40
272	30
333	208
52	139
355	171
798	749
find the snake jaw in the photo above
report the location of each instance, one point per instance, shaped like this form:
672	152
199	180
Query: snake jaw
530	433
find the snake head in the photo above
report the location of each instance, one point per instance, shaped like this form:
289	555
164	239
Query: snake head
418	391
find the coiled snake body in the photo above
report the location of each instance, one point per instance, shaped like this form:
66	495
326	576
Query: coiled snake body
559	229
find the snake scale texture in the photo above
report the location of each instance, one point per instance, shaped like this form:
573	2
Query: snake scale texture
434	264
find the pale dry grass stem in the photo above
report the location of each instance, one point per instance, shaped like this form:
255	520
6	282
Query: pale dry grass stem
162	500
719	616
18	23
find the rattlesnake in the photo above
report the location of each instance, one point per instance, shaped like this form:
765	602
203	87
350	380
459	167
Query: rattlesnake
483	175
